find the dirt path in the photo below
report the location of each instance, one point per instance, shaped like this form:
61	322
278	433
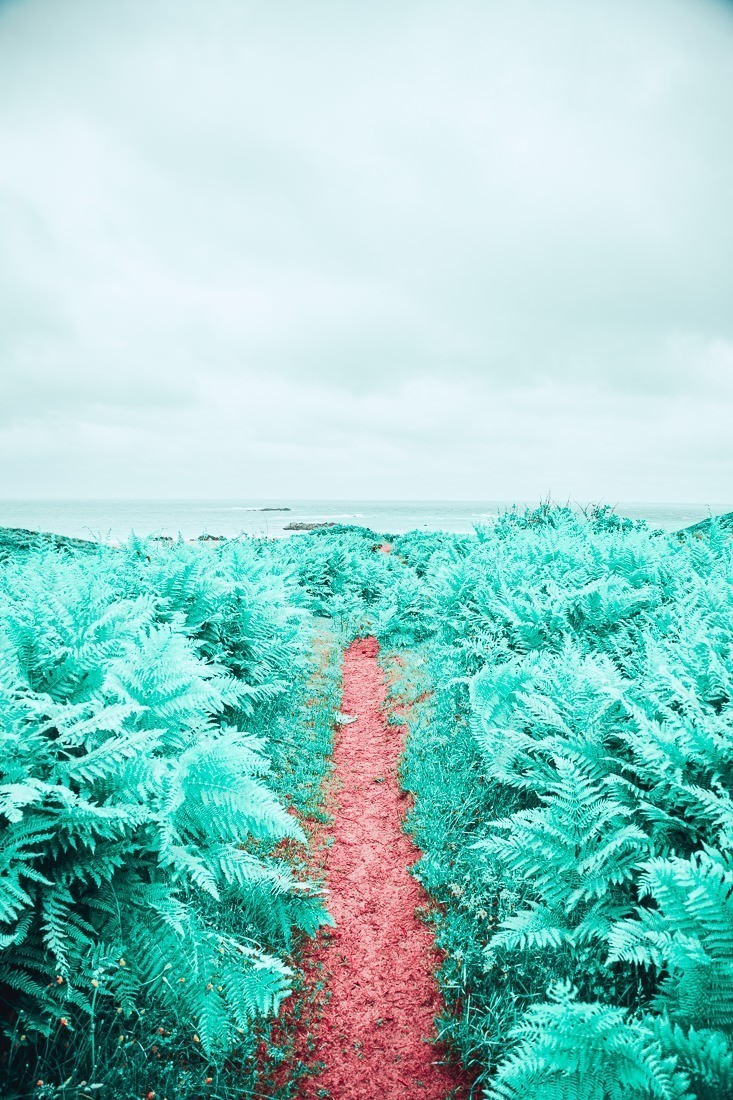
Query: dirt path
375	1031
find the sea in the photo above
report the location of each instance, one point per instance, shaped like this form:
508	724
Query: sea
113	521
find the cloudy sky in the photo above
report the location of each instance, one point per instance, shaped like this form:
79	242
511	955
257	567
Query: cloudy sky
467	249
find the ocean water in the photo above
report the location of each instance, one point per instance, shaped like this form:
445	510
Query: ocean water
113	521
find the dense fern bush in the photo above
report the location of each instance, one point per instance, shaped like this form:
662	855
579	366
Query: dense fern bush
343	575
137	815
570	753
573	771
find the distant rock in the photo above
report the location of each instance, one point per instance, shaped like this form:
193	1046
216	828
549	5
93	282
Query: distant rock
275	509
724	521
300	526
211	538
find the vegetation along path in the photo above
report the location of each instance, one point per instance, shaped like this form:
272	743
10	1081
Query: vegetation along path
376	1034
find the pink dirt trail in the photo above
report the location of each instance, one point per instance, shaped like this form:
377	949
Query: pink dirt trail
376	1034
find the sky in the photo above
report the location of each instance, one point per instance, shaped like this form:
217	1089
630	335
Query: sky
466	250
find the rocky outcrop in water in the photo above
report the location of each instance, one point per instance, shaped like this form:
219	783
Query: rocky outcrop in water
302	526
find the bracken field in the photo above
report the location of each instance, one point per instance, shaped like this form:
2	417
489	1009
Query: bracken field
169	712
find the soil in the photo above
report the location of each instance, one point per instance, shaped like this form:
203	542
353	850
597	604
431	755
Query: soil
376	1034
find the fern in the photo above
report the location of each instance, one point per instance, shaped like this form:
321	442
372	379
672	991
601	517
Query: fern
578	850
133	806
569	1050
688	935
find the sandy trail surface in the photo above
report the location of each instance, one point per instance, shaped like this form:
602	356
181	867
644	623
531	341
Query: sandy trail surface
376	1035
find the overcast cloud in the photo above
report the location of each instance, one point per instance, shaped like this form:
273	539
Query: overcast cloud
478	250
